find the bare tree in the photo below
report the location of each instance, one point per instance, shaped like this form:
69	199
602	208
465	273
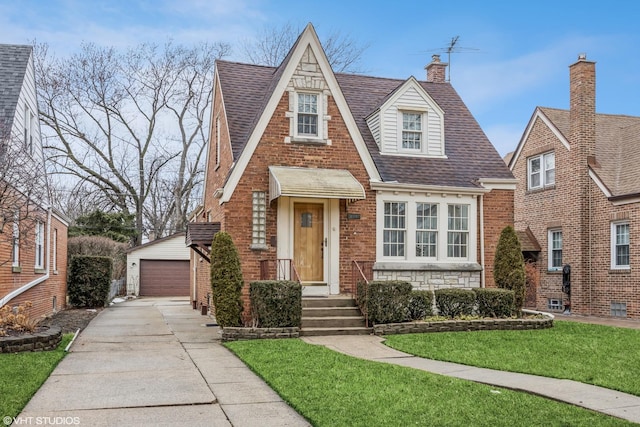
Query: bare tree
120	121
274	42
23	193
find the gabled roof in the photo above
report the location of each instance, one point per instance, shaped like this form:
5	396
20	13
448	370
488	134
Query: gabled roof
14	60
617	149
247	89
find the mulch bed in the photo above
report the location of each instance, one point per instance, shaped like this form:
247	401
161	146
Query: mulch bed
72	319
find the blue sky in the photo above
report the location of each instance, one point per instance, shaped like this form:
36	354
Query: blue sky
520	57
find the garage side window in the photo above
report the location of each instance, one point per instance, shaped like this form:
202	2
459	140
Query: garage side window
259	232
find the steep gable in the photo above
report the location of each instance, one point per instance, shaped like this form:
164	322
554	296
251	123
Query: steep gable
14	61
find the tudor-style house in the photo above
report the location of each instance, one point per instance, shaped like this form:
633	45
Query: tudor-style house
316	174
33	237
578	195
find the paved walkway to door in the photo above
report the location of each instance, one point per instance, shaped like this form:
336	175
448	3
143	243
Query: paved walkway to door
154	362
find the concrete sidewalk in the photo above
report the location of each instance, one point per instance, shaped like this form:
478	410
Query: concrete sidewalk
154	362
599	399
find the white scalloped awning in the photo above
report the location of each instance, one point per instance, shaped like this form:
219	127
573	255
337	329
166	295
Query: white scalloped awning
317	183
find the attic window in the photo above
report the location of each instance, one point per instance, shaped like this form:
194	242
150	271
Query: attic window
411	131
307	114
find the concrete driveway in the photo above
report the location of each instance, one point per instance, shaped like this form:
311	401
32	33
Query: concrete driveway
154	362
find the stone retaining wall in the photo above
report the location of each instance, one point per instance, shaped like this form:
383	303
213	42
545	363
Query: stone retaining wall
462	326
37	341
234	334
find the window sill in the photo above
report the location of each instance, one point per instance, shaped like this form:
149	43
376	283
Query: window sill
16	269
554	271
620	270
262	247
541	189
427	266
308	140
39	270
55	272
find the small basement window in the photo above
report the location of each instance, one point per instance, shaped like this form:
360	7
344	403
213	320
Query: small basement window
618	309
554	304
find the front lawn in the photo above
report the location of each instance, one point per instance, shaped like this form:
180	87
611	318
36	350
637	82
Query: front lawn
592	354
332	389
22	374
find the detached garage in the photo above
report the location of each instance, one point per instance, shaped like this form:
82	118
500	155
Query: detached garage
159	268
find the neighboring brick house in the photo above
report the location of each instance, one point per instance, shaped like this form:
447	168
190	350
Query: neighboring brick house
313	169
33	237
578	195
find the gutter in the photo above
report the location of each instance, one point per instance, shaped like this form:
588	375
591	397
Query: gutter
11	295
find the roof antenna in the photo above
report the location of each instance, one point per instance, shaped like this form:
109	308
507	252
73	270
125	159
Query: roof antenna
453	47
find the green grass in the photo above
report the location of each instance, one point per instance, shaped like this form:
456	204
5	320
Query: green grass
22	374
332	389
592	354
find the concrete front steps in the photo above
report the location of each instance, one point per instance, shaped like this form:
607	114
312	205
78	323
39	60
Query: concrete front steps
334	315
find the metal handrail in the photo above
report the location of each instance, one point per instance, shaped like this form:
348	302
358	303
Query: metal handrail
284	268
356	270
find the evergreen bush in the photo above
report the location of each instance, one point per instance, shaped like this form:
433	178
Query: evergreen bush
508	266
276	304
226	281
494	302
89	281
455	302
387	301
420	305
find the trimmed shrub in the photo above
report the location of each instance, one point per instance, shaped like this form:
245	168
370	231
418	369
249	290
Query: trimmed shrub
276	304
387	301
101	246
420	305
226	281
455	302
89	281
508	266
494	302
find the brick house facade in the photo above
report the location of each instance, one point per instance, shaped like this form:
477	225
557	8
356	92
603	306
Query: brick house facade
578	194
317	170
33	236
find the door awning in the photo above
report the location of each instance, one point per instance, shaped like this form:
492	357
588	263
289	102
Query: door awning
316	183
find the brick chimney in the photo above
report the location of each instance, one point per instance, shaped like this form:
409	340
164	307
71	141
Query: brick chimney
436	70
582	107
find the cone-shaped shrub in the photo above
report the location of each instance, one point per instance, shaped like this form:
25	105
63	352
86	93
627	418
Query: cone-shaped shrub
508	266
226	281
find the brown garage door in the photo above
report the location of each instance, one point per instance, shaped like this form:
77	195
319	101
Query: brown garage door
164	278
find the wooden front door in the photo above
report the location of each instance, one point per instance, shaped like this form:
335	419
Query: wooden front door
308	241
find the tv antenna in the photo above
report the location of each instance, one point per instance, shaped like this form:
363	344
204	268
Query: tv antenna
453	47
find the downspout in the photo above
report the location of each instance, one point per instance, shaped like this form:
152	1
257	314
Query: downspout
483	283
11	295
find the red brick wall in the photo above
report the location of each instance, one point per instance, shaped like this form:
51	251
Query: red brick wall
41	295
498	213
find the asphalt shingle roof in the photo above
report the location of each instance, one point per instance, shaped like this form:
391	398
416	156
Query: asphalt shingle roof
617	148
470	155
13	66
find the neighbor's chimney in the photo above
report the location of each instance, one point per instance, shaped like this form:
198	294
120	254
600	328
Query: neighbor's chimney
436	70
582	107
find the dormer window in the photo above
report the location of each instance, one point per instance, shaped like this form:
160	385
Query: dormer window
411	131
308	114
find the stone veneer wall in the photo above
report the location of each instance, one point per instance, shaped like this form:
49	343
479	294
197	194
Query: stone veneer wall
432	279
38	341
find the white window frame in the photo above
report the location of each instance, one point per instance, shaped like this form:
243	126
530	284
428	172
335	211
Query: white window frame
15	261
551	233
39	245
547	170
400	229
54	249
259	220
426	230
458	226
615	244
419	133
319	116
412	199
423	131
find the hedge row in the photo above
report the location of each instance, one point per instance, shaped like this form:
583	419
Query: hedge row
396	301
276	304
89	281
